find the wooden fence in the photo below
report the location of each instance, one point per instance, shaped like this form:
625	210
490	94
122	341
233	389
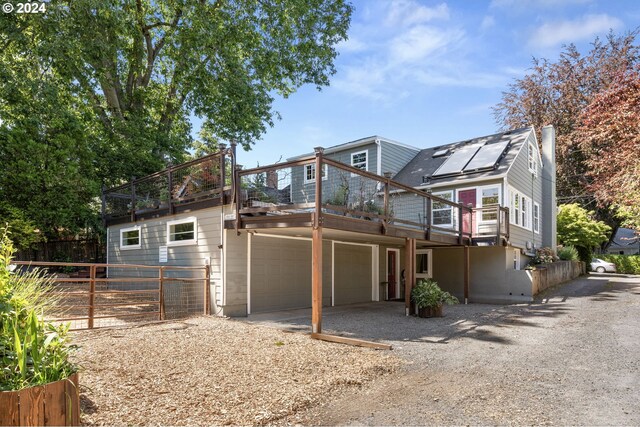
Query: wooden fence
102	295
53	404
82	250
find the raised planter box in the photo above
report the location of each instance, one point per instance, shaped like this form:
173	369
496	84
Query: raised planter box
53	404
430	311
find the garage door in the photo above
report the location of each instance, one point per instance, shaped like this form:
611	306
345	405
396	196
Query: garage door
353	274
280	274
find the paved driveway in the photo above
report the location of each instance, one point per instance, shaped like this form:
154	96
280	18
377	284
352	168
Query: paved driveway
570	358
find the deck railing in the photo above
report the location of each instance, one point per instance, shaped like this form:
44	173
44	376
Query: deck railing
293	188
170	190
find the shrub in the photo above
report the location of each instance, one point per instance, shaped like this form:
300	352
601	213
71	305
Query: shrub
427	293
32	351
568	253
625	264
544	256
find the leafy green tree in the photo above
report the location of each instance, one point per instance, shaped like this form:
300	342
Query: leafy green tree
577	227
96	91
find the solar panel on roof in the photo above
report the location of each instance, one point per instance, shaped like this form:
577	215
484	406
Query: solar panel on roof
487	156
458	160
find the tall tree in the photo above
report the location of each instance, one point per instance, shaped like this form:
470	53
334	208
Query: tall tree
556	93
609	138
123	78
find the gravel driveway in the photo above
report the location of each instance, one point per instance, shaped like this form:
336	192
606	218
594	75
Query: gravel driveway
570	358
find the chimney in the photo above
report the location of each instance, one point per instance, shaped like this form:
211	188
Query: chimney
272	179
549	201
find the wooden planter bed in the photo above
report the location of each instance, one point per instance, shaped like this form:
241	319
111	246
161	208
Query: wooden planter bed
53	404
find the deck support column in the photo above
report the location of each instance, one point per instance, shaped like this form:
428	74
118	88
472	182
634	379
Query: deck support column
316	250
409	272
466	273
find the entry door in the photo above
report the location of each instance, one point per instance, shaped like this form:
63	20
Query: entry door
392	274
466	198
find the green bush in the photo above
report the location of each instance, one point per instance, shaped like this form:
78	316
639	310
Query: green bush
32	351
544	256
568	253
427	293
625	264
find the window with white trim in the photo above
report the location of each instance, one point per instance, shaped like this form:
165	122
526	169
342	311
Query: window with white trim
536	217
442	213
424	263
310	173
130	238
516	259
520	209
182	232
489	197
533	164
359	160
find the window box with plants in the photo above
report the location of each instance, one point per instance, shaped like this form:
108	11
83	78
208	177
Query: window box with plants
38	383
430	299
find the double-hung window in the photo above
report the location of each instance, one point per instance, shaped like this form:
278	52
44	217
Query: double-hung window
442	213
310	173
533	161
490	197
359	160
536	217
182	232
521	212
130	238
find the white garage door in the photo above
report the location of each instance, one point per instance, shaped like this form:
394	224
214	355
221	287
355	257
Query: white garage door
353	274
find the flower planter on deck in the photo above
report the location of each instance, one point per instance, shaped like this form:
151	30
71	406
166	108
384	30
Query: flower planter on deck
52	404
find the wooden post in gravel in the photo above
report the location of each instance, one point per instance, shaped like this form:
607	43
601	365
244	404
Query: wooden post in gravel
466	273
207	290
161	296
92	294
409	272
316	251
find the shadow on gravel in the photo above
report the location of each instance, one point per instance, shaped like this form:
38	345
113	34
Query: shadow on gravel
385	321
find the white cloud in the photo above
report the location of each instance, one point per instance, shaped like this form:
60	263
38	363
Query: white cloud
555	33
404	13
487	22
420	42
533	4
352	44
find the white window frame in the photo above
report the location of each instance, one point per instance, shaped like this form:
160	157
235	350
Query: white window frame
522	215
366	160
536	217
193	241
125	230
450	208
429	273
532	159
480	204
312	167
516	259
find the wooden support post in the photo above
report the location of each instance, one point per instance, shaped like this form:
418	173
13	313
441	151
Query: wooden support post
460	223
133	199
236	190
207	290
316	251
316	281
223	174
170	184
428	215
92	294
161	296
466	274
498	226
409	272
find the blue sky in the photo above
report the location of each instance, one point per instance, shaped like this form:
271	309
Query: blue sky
428	72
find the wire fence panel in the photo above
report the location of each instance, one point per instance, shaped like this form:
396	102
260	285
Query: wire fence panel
108	295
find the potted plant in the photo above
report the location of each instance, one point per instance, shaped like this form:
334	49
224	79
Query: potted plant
37	382
429	298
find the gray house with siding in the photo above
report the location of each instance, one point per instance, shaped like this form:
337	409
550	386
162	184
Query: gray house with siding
383	214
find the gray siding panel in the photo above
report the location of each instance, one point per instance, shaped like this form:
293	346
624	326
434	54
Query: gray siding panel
153	234
395	157
530	185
